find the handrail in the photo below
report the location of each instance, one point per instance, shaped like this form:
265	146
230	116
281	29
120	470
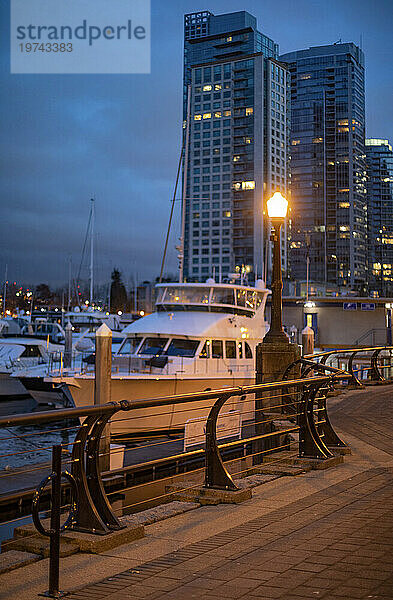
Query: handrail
84	411
375	373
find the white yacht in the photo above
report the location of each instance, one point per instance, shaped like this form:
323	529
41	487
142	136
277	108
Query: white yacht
202	336
18	354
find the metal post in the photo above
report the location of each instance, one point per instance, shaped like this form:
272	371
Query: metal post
276	332
102	385
54	556
308	340
68	346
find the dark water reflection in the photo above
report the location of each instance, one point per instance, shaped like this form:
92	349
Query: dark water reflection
22	446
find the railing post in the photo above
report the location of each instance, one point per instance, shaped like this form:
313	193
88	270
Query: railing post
54	553
216	475
68	346
102	386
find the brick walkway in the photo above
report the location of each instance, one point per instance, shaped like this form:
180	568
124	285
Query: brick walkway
333	544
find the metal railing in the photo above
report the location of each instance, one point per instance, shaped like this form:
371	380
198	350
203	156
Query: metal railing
366	365
290	414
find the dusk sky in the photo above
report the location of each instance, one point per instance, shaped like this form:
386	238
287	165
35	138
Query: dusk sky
66	138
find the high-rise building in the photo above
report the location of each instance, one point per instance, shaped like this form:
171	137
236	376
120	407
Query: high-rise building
236	154
328	192
379	158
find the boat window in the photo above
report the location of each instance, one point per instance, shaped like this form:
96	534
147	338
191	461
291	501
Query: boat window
248	350
130	345
230	349
187	295
241	297
250	300
240	349
205	352
31	352
223	296
259	299
182	347
161	292
217	349
153	345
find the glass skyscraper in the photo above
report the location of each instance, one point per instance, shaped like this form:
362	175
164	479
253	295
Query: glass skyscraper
328	191
379	158
236	154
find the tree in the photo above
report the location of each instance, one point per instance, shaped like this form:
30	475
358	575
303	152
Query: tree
118	292
43	293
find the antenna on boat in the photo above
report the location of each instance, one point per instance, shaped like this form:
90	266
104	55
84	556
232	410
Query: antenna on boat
5	288
185	174
91	251
173	200
69	284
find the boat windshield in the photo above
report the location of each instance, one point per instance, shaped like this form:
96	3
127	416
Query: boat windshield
187	295
217	298
180	347
153	345
130	345
223	296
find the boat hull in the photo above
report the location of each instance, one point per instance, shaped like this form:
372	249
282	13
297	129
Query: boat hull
160	419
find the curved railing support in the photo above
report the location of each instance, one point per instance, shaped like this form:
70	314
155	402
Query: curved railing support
87	516
355	380
93	472
311	445
376	374
216	474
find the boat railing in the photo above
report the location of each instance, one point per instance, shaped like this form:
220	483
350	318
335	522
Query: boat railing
83	363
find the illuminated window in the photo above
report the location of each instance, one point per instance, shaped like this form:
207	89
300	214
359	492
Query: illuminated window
248	140
344	205
217	86
295	142
305	76
342	129
249	111
207	88
207	115
237	186
197	117
342	122
227	113
229	38
344	228
342	190
226	213
248	185
236	158
217	115
317	140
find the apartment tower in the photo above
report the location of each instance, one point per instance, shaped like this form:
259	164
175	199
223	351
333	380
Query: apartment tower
328	179
236	154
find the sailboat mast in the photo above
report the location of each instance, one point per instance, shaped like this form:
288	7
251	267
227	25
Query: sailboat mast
5	289
92	251
185	174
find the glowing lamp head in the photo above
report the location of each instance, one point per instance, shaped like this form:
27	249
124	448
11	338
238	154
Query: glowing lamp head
277	206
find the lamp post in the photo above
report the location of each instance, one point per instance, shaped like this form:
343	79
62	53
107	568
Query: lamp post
277	207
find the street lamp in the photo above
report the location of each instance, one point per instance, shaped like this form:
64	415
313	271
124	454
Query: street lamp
277	207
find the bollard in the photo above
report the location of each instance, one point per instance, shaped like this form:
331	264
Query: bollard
54	555
308	340
102	386
68	346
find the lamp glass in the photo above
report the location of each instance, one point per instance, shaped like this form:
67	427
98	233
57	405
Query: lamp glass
277	206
